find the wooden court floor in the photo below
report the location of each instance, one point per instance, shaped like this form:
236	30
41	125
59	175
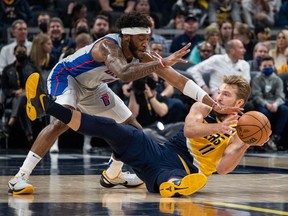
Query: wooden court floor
68	184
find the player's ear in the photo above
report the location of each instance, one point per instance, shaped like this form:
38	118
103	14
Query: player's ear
240	102
126	38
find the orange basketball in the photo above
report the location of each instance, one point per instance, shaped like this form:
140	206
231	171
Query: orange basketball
253	128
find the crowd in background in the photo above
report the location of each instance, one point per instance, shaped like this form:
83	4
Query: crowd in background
242	37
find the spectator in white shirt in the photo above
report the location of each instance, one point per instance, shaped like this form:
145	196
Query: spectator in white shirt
217	66
20	32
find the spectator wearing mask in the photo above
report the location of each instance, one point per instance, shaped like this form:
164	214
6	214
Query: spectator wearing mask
13	84
43	20
269	98
260	51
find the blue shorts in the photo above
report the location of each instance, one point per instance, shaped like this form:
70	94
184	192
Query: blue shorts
152	162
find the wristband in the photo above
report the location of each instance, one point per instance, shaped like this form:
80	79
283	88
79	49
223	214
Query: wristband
192	90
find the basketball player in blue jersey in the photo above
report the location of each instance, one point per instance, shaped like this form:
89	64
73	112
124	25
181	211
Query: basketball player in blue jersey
207	144
80	82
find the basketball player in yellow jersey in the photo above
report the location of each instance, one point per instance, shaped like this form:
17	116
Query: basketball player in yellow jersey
181	165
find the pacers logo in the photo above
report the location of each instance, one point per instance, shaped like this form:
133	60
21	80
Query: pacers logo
106	99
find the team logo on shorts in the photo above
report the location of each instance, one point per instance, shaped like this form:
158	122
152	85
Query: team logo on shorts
106	99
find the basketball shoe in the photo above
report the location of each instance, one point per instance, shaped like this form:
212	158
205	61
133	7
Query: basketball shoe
34	94
125	179
19	185
183	187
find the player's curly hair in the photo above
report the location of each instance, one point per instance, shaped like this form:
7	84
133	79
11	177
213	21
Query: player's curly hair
133	19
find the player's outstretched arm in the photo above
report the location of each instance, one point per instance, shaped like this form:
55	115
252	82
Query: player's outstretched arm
110	53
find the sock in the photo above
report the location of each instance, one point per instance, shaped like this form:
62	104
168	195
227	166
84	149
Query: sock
29	164
114	168
57	110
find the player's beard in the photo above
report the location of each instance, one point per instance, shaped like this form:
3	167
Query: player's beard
133	49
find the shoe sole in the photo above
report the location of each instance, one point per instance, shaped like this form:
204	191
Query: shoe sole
26	190
31	92
189	185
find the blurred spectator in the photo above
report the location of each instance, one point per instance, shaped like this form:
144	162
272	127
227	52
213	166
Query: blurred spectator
81	40
12	10
190	7
278	52
243	33
43	20
19	32
226	32
13	85
217	66
221	10
201	52
150	109
81	26
101	27
56	33
143	7
269	98
163	87
75	10
211	35
257	12
260	51
41	55
283	15
125	6
163	7
191	27
284	67
155	38
177	22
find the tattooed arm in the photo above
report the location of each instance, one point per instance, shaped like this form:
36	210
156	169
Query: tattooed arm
110	53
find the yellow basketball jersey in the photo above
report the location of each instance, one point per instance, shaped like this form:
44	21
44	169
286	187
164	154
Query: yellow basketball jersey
208	150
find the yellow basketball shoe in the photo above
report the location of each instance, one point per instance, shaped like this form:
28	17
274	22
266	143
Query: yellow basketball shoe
183	187
34	94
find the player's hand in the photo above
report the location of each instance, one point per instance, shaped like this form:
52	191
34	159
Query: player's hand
177	56
228	110
225	126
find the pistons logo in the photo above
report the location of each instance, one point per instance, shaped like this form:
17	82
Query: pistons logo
106	99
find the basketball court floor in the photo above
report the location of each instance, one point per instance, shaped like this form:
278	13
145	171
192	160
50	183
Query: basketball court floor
67	184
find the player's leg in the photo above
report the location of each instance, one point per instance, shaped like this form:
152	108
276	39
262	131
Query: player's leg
104	102
178	179
19	183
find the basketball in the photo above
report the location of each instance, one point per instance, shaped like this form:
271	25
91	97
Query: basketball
253	128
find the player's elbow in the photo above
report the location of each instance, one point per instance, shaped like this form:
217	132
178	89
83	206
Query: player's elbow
125	77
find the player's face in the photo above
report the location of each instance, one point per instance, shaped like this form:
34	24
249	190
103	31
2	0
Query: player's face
227	95
138	45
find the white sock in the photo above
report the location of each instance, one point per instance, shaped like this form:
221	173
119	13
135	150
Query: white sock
114	168
29	164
